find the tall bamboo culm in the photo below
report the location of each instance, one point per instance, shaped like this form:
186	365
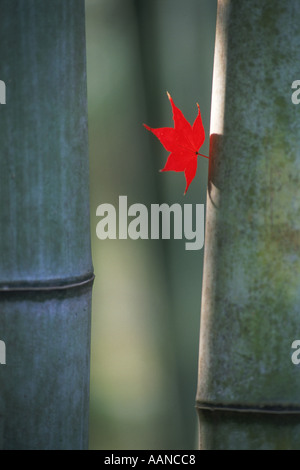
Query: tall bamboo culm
249	389
45	258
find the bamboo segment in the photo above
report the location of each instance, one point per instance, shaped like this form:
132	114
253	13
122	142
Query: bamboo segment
46	269
45	382
248	388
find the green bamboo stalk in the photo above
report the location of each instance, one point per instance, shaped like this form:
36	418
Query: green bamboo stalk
248	389
45	257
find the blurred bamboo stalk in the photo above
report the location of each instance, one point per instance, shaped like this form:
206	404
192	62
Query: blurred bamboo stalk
46	270
248	389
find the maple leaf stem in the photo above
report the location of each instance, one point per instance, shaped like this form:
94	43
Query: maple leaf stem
201	155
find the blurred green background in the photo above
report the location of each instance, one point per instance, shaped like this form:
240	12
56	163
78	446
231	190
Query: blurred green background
147	293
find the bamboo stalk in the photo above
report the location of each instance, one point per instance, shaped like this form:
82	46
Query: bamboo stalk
45	258
248	388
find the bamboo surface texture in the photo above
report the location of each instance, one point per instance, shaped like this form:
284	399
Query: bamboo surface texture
45	258
249	390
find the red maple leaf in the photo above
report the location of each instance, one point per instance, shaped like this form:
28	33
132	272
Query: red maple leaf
183	141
